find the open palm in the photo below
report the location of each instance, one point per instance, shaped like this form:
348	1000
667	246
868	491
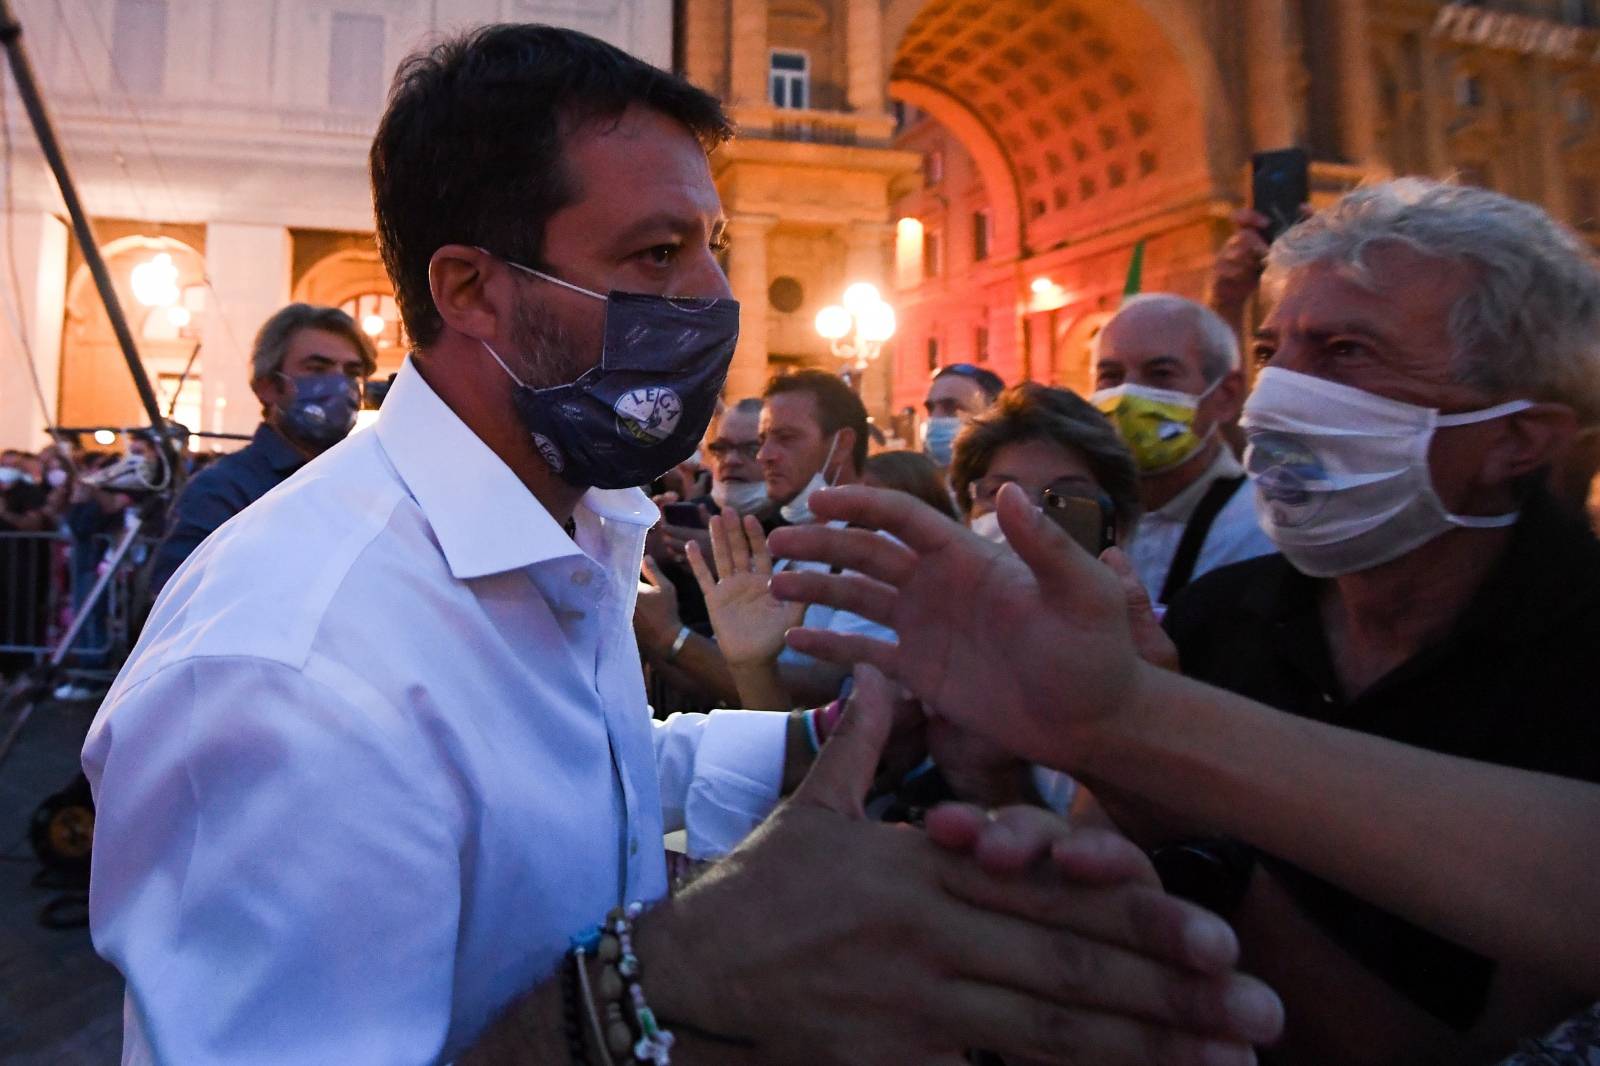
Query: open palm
749	622
1020	647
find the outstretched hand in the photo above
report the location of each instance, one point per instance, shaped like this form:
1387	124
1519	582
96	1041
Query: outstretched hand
1029	646
748	621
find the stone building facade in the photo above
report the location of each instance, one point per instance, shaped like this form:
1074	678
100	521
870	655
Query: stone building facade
232	136
1056	135
990	164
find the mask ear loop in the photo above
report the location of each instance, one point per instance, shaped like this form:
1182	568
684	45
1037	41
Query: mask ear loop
826	480
488	348
551	278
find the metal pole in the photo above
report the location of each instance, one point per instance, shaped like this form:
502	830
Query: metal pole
28	89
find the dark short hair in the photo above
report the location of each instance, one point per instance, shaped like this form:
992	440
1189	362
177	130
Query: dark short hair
469	150
987	380
1030	412
276	333
838	406
912	473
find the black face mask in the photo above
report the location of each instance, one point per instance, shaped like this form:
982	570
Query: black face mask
645	406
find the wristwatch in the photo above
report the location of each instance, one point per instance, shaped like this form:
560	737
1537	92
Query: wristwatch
1214	873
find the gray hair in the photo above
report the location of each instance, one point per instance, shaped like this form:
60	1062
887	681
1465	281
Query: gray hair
276	333
1219	345
1530	324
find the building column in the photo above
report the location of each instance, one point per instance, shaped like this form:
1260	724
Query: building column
748	47
1357	85
39	242
747	276
1269	75
866	258
864	46
249	268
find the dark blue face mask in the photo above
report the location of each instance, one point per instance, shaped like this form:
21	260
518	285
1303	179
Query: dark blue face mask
322	410
644	407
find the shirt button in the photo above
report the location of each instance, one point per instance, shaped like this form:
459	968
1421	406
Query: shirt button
581	578
633	846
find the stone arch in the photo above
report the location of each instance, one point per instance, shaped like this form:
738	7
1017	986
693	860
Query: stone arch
1085	111
95	386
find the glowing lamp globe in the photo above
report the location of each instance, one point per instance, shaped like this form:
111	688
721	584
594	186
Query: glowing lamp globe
877	322
155	281
372	325
861	296
834	322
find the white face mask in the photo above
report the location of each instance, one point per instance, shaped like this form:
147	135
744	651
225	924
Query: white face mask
56	478
740	497
9	475
1341	475
797	512
987	526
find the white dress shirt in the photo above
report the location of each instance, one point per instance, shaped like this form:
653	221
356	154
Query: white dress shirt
382	749
1235	535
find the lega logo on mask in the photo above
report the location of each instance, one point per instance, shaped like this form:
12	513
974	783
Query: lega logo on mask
1287	475
549	452
648	415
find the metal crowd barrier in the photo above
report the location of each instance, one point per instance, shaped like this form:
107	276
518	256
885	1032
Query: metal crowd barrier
44	579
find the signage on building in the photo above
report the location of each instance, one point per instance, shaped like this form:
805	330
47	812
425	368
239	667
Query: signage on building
1509	32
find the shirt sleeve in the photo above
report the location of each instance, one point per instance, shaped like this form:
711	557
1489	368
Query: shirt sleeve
720	774
273	872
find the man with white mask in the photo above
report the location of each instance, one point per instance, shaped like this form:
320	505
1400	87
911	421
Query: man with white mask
813	435
957	392
737	483
1429	351
1166	374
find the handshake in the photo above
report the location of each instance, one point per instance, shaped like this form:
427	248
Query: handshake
829	938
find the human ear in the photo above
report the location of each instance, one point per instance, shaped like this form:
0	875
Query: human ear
1533	439
470	296
1226	401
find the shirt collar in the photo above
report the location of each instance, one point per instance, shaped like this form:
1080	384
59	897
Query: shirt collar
276	449
485	519
1181	506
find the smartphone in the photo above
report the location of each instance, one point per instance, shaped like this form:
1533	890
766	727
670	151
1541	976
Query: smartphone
1280	183
684	515
1086	519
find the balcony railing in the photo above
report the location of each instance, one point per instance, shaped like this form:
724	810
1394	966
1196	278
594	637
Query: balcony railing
813	126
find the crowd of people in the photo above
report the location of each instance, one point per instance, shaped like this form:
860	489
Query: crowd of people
1021	742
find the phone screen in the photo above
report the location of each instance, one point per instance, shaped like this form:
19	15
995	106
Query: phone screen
1086	519
684	515
1280	184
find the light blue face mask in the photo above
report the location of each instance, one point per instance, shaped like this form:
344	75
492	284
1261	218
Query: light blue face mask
644	407
939	438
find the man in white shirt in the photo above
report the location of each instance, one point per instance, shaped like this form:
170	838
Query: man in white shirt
1167	375
383	747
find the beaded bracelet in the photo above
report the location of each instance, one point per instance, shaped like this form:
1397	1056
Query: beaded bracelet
619	986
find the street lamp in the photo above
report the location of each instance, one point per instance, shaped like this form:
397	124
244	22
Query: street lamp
857	327
155	281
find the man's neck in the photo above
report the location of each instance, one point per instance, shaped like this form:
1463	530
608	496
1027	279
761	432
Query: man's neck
485	407
1379	618
307	452
1158	490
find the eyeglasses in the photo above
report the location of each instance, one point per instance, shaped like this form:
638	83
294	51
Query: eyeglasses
986	488
721	449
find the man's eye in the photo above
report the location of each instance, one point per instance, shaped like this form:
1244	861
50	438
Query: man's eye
1262	353
720	243
661	255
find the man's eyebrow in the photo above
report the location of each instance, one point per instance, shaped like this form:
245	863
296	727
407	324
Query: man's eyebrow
662	222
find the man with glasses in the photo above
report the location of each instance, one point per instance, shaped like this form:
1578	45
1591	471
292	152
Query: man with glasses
956	393
306	368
